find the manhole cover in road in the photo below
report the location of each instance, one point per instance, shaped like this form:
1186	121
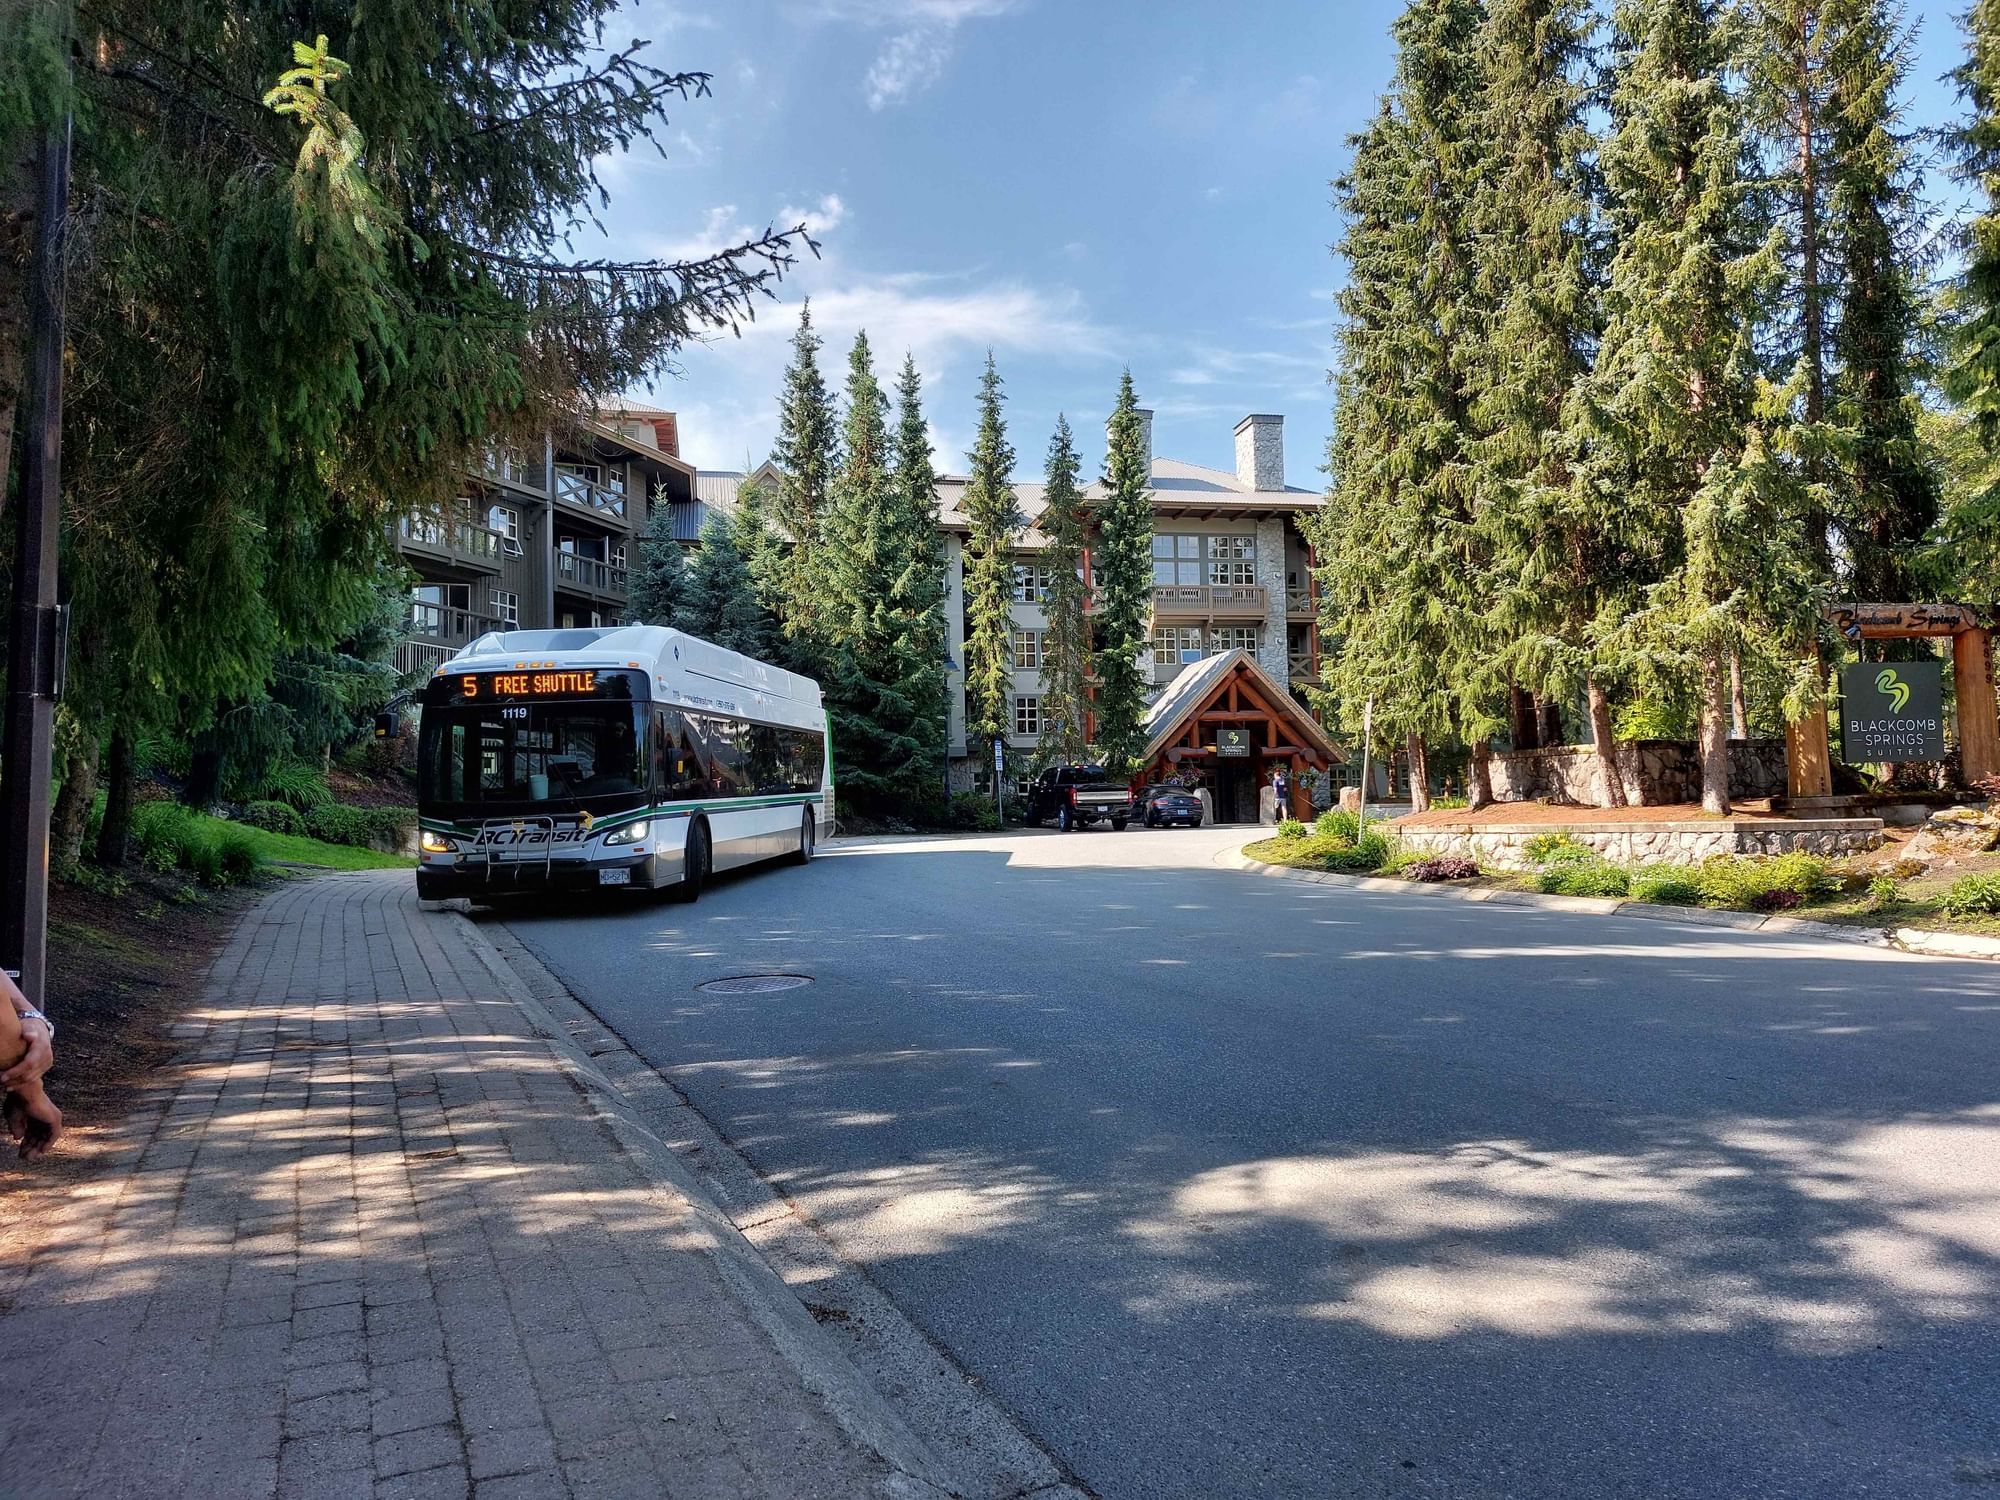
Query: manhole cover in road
754	984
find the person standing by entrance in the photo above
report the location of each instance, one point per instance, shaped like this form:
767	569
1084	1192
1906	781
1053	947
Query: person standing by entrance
1281	789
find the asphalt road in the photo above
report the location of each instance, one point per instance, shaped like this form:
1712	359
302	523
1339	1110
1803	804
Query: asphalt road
1229	1186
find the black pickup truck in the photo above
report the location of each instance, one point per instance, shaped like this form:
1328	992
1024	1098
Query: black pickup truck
1077	795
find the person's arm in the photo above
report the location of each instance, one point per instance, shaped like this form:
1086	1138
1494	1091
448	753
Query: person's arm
26	1053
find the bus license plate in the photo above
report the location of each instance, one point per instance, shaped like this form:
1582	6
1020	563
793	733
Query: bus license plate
614	877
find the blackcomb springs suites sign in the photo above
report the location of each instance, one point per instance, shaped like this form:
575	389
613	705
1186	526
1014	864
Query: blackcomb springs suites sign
1891	711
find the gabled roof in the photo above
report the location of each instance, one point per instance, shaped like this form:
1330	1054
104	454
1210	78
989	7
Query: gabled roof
1179	489
1199	683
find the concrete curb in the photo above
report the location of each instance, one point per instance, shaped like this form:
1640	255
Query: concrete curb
755	1235
1907	939
859	1409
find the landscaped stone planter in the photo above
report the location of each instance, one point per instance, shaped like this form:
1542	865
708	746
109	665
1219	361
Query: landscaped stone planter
1503	846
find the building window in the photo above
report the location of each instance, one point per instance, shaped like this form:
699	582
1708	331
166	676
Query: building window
617	554
507	463
1027	715
506	520
1028	648
1176	645
508	607
1031	583
1176	559
1223	638
1232	560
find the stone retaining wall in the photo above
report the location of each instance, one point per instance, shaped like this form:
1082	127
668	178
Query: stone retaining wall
1501	845
1665	771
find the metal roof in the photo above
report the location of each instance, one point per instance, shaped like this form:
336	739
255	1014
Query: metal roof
1196	681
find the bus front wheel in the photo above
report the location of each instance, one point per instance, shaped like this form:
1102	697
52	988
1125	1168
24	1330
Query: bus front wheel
696	863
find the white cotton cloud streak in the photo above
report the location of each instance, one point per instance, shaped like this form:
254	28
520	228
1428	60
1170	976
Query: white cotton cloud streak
909	64
925	36
944	321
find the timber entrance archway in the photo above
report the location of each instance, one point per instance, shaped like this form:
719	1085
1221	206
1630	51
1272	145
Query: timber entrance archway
1808	753
1227	724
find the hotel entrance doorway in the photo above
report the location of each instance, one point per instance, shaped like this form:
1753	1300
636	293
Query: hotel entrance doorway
1235	791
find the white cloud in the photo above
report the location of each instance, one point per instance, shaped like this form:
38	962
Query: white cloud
925	35
722	227
909	64
728	396
820	220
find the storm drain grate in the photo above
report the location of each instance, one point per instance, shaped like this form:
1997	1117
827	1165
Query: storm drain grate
753	984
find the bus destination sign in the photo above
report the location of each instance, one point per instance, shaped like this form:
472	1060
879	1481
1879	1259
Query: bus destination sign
565	684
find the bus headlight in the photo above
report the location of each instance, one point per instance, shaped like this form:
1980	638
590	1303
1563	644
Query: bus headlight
436	843
631	833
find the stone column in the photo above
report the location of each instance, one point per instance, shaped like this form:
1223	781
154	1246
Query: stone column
1271	655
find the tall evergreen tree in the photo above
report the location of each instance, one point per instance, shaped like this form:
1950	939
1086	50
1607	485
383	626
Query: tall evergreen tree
1893	484
880	661
1824	75
1672	402
993	518
1403	559
806	457
661	575
719	603
916	589
1123	564
1556	559
1066	641
1972	376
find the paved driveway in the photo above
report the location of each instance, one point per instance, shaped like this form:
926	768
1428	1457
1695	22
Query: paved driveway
1230	1186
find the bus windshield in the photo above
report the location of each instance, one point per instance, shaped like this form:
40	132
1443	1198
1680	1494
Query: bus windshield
514	757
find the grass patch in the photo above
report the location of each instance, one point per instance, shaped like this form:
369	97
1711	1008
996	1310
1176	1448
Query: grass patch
295	849
1326	851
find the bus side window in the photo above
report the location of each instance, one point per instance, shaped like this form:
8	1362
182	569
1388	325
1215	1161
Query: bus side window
683	778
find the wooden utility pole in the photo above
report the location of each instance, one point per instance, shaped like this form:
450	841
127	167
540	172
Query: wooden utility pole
34	661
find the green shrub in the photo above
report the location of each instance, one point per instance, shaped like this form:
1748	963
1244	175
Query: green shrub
275	817
1291	828
1883	891
1973	896
1666	885
1444	804
168	836
1333	823
1555	849
296	783
1582	877
1743	883
360	827
1369	852
974	811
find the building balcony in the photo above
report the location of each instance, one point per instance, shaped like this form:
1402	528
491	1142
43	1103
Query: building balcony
465	543
590	576
605	501
1299	604
1208	601
437	633
1303	666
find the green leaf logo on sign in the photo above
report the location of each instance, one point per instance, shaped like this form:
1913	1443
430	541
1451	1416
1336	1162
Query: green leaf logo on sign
1894	689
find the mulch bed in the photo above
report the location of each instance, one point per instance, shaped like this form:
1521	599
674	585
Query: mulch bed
1554	815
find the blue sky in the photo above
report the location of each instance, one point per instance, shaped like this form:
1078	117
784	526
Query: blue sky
1080	184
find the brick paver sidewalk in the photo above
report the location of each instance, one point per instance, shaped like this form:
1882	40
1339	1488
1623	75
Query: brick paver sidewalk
371	1238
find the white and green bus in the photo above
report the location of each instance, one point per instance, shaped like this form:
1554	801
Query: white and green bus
630	756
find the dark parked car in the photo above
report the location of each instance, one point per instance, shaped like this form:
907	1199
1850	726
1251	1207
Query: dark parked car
1160	806
1076	796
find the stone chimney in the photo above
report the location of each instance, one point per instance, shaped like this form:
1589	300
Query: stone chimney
1145	416
1260	452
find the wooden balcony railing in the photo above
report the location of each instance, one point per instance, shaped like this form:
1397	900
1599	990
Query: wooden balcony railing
1304	666
1299	602
422	656
1208	601
446	626
600	498
589	573
465	540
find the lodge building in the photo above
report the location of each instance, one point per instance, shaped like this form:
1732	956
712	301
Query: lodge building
1232	578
